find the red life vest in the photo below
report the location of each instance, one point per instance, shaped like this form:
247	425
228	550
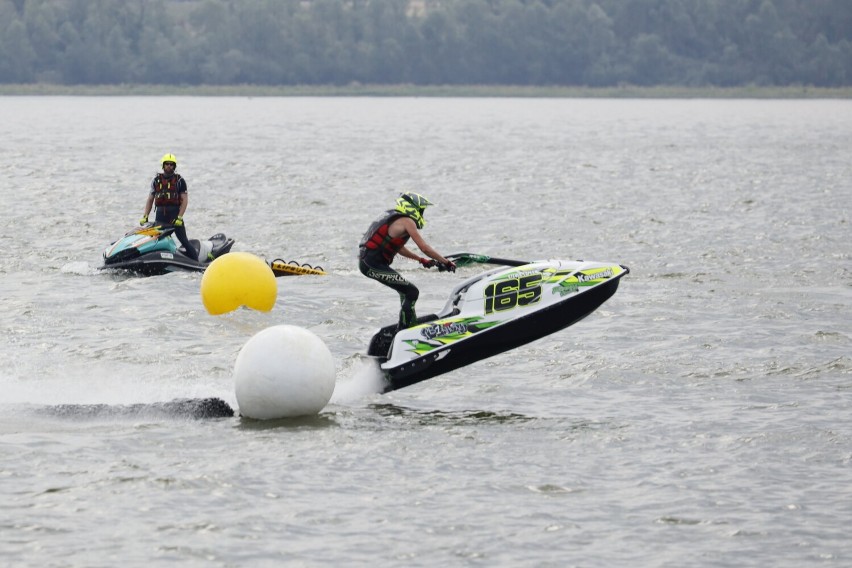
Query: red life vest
377	239
165	190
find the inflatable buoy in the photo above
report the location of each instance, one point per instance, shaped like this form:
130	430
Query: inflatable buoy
282	372
238	279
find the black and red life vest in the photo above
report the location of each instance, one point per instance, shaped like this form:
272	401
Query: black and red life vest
166	191
377	239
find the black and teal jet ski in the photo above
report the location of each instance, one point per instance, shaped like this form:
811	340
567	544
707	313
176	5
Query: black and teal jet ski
152	249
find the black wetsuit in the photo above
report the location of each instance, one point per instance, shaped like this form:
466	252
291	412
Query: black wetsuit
375	255
168	212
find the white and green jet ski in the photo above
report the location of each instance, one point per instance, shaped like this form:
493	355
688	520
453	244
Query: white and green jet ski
493	312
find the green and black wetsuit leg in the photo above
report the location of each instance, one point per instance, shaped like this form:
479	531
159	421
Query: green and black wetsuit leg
408	292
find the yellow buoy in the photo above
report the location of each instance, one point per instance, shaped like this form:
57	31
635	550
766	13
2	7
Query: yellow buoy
238	279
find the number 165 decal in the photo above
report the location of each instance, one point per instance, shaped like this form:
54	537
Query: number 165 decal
511	293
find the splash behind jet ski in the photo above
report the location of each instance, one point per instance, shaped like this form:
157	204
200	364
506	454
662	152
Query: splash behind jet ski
493	312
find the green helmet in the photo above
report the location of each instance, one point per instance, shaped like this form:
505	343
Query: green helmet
413	204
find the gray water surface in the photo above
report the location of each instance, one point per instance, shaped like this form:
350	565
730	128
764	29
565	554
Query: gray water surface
701	417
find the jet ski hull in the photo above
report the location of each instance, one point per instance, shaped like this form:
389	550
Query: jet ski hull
157	263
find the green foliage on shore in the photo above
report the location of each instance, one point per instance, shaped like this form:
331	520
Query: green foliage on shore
624	92
600	44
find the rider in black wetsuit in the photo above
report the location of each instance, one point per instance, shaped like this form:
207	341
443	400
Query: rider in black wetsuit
169	195
386	238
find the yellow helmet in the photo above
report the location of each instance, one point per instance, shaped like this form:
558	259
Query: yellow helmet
413	204
168	158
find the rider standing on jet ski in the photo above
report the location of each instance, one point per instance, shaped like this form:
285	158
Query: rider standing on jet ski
386	238
169	196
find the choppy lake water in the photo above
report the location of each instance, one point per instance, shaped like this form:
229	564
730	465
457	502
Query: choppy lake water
701	417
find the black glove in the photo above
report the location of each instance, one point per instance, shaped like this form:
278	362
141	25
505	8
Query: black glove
428	262
449	267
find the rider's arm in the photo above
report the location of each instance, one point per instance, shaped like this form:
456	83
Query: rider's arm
415	235
184	197
149	204
184	201
408	254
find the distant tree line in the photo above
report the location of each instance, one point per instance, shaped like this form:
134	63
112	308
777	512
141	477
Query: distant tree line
428	42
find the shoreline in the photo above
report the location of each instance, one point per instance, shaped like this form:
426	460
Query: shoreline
481	91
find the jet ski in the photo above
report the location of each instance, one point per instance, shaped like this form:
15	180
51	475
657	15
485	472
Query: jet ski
492	312
152	249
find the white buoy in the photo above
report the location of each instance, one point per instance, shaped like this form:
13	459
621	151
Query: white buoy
283	371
